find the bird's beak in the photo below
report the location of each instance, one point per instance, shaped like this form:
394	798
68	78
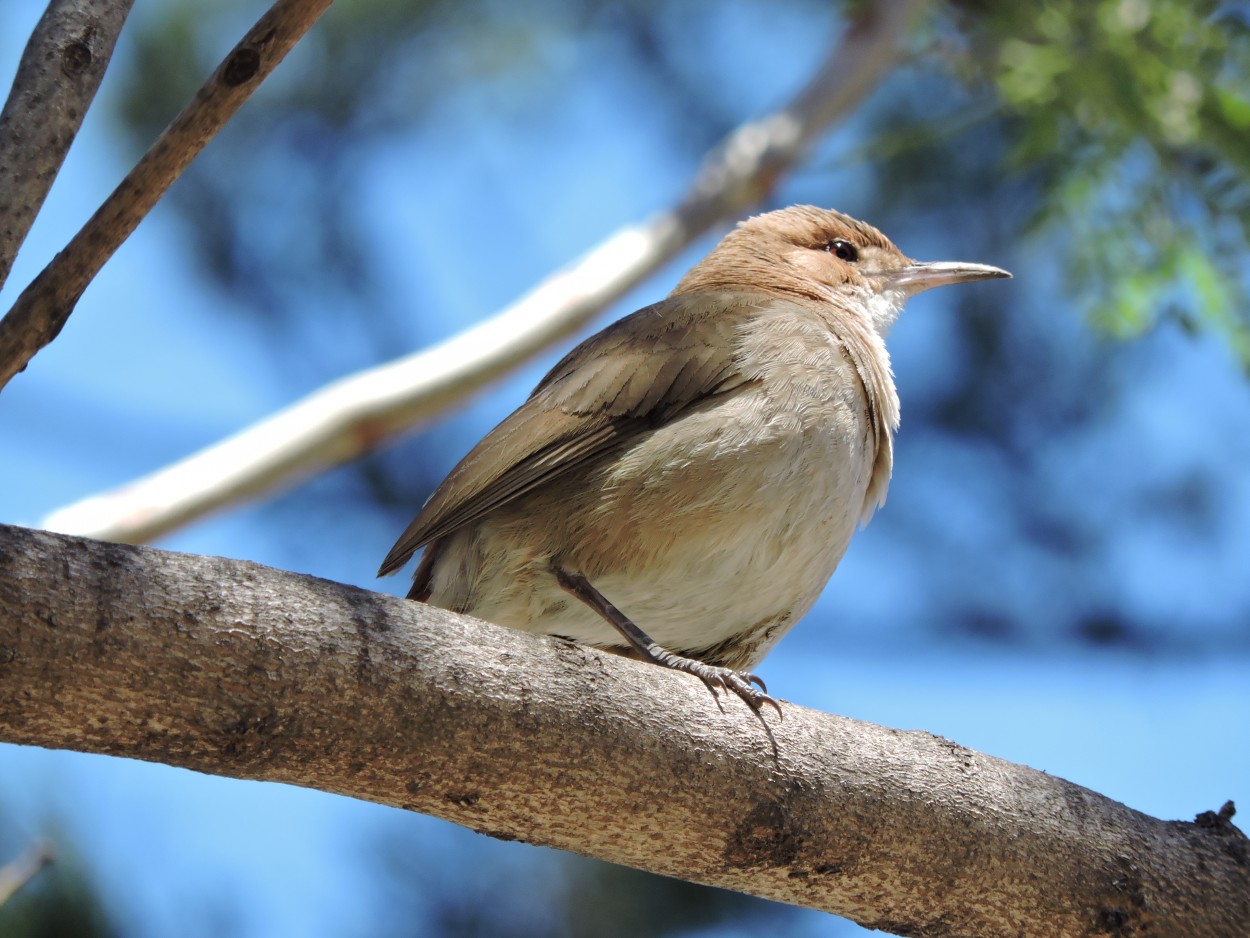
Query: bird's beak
917	277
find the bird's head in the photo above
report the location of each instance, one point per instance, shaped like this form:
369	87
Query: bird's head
827	256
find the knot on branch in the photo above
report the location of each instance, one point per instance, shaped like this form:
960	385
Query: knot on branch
241	67
75	58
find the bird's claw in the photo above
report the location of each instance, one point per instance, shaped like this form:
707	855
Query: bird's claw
740	683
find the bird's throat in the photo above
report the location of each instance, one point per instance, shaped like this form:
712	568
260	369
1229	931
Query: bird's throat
883	308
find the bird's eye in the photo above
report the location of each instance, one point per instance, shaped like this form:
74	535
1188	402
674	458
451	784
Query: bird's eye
843	250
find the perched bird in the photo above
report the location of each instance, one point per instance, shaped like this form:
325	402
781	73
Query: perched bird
681	486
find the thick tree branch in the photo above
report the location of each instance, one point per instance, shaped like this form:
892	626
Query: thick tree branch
56	81
357	413
235	669
45	306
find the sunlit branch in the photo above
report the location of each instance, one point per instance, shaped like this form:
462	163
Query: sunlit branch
358	413
240	670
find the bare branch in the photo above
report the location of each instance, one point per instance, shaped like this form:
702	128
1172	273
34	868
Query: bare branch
236	669
17	873
359	412
44	306
56	81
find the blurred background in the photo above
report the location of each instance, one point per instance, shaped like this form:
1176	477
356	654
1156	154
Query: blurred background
1061	576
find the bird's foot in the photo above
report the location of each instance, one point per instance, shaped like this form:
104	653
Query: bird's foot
741	683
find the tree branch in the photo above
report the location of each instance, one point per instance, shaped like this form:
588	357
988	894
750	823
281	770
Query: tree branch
228	667
56	81
45	306
17	873
357	413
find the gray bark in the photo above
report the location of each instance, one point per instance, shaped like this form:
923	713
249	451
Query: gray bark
235	669
56	81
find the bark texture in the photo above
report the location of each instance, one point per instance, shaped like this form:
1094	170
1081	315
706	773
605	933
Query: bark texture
56	81
236	669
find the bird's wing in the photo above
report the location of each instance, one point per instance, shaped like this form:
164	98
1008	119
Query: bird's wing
637	374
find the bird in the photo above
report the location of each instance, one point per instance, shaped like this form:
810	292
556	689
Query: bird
681	486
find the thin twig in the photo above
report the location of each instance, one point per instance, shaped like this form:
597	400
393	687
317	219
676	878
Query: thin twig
56	81
17	873
46	304
359	412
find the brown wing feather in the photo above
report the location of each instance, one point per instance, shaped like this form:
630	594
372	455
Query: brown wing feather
631	377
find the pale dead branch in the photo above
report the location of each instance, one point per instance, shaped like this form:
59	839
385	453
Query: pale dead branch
360	412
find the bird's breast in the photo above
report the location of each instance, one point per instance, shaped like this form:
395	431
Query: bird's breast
717	529
731	518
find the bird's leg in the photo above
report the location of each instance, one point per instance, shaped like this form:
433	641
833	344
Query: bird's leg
739	682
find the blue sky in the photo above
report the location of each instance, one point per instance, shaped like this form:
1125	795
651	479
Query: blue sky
149	368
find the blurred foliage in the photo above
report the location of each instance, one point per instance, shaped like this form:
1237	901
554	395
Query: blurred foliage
369	73
1135	114
488	889
1130	117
